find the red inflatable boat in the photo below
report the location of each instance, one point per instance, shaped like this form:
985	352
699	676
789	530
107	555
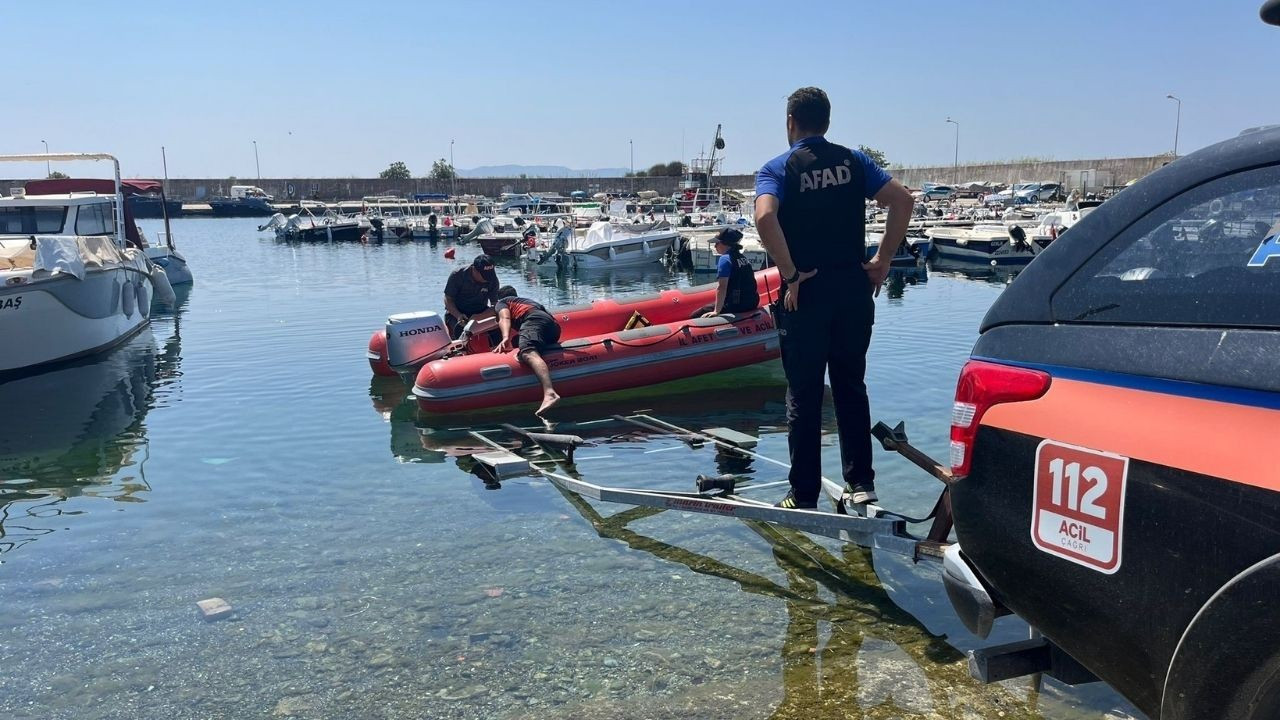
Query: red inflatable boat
595	353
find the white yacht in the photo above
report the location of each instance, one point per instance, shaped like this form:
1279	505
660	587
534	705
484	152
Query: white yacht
70	284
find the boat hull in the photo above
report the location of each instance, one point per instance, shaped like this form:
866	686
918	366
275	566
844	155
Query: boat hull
625	253
597	364
345	232
63	318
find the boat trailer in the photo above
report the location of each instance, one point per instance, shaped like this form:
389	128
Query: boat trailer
866	525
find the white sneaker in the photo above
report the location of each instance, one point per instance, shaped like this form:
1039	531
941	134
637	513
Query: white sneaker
862	497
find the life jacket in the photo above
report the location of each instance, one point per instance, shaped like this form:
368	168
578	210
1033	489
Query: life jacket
741	295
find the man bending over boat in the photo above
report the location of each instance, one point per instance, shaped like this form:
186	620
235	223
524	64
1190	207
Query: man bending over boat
811	214
468	293
527	325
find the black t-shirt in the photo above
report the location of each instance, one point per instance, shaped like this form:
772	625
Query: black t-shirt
522	309
468	295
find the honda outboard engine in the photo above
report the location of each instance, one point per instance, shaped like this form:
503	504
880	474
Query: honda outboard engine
414	338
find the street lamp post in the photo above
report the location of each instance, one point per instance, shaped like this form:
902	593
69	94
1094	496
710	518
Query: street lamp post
632	144
453	173
1177	124
48	169
955	162
255	160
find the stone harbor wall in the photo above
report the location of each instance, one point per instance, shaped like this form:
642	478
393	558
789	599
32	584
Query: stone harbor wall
1099	172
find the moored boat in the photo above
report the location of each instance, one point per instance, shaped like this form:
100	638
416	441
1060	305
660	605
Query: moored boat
992	244
596	353
165	254
70	283
607	244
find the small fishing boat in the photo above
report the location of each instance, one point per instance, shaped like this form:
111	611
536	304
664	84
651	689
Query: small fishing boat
993	244
244	201
607	244
330	227
907	255
502	235
603	347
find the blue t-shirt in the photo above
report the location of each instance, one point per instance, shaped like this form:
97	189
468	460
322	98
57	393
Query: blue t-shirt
822	190
724	266
772	177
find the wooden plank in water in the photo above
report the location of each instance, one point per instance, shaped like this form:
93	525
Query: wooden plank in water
733	437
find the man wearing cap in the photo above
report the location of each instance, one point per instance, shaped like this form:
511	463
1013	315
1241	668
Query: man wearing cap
469	294
810	210
736	290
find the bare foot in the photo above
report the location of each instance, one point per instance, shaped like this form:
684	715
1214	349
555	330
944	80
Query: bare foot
548	400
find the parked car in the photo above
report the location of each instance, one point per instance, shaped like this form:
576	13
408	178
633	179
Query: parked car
1113	446
934	192
1040	192
1005	197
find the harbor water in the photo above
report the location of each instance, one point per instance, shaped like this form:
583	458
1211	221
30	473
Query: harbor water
239	449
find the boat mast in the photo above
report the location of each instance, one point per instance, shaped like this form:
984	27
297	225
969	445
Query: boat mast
164	202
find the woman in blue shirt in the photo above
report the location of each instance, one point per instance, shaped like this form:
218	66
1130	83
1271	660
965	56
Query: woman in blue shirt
737	291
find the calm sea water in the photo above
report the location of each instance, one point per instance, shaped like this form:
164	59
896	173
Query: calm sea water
239	449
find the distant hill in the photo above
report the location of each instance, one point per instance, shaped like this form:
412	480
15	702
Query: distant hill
546	171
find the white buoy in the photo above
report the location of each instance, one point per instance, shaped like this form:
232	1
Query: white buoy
164	289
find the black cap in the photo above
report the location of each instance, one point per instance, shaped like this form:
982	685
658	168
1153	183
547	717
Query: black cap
729	236
482	262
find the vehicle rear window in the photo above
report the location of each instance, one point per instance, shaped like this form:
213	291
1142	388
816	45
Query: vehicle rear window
39	220
1207	257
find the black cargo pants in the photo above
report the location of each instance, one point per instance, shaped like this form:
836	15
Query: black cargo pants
828	333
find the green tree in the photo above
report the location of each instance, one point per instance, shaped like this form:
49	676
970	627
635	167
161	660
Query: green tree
55	175
441	170
396	171
675	168
876	156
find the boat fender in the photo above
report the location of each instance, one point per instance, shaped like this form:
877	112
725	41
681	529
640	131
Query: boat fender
163	288
128	299
144	307
449	253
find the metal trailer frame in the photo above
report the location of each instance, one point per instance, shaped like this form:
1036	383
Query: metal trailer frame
874	527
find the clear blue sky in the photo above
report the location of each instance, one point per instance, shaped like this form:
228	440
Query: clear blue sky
343	89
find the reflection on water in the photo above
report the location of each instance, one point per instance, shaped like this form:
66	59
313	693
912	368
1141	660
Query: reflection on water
79	430
401	585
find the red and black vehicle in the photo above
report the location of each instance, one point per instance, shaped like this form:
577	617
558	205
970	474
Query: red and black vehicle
1114	446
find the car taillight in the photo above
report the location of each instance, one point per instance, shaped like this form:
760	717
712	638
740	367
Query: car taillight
982	385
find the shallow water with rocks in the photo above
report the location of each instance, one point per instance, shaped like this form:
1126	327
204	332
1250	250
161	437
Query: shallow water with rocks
238	449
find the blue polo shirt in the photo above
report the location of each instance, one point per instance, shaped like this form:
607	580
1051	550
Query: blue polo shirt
822	190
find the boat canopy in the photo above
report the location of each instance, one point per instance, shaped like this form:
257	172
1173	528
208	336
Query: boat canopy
58	186
102	186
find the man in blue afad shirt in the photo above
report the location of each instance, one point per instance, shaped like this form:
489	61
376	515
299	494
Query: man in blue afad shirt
810	212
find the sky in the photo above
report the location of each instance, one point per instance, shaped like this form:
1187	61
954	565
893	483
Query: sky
337	89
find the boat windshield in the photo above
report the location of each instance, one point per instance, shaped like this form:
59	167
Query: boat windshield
42	220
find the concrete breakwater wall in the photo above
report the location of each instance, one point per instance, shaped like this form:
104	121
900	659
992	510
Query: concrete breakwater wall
1074	173
356	188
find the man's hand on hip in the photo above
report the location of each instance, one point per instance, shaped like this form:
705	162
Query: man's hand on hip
877	270
792	301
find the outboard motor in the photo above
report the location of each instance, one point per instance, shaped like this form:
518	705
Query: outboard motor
414	338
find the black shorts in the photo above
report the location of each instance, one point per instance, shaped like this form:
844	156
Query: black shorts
538	332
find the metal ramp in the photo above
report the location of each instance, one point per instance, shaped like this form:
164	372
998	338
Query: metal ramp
552	456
